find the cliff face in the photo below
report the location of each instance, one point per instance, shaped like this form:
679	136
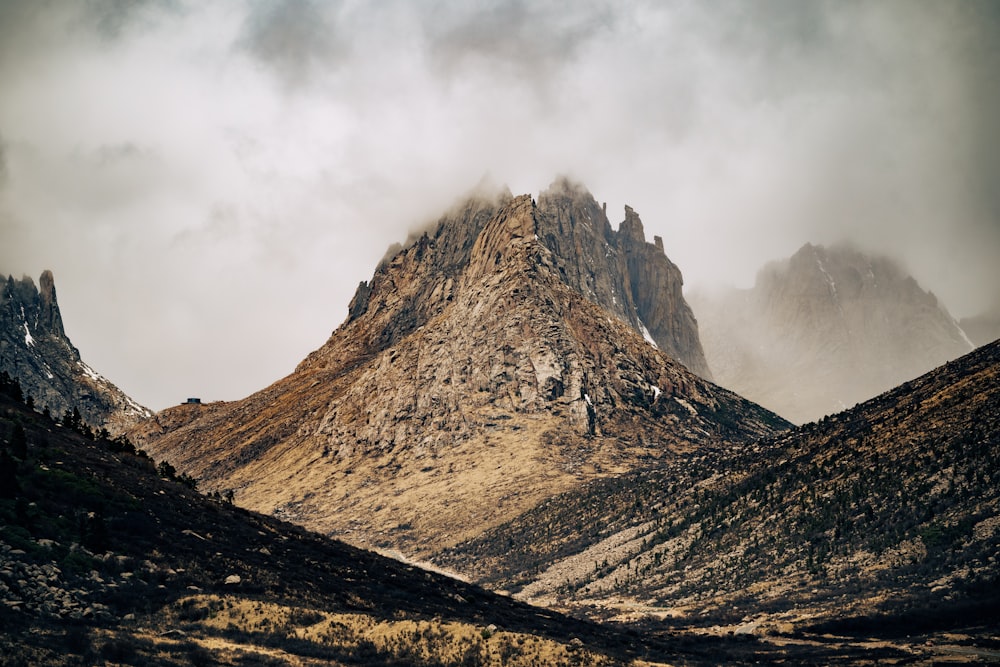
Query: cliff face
825	329
620	271
470	381
34	349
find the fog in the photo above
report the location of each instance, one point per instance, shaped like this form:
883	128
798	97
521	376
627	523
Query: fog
209	181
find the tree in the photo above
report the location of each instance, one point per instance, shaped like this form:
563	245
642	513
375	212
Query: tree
166	471
95	534
19	443
9	488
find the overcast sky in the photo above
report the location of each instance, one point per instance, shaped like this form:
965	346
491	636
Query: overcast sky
210	180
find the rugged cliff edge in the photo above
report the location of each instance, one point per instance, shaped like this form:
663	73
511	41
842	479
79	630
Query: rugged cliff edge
34	349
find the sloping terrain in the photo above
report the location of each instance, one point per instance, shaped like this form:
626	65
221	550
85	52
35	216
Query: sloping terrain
824	330
35	349
881	519
104	561
471	380
106	558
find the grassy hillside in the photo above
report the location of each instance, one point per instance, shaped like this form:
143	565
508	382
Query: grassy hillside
887	515
105	556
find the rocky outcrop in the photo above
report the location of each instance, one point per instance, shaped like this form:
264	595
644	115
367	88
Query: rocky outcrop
825	329
34	349
471	380
620	271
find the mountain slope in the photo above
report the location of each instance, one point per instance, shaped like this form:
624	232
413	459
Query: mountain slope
103	562
889	511
35	349
823	330
470	381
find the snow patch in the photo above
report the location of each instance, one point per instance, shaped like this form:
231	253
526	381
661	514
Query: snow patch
90	372
586	397
28	339
962	334
829	279
648	336
656	391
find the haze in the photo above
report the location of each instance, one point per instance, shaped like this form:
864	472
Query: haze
209	181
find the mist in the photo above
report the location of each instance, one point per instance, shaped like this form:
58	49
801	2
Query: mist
209	181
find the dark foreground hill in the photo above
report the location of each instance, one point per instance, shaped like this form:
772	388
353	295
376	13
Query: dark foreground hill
882	520
106	558
101	558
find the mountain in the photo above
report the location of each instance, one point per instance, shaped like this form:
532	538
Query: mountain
106	558
103	561
478	373
883	520
34	349
823	330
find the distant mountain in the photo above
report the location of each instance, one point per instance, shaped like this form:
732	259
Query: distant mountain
823	330
491	363
882	519
34	349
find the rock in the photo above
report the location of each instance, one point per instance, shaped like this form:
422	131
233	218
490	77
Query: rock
232	579
620	271
48	366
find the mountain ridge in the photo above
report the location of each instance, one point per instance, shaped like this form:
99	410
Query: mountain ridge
889	510
35	349
449	400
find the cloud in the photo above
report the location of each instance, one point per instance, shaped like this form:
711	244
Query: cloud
210	180
294	37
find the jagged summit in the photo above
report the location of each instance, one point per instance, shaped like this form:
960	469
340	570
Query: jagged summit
472	378
34	349
618	270
825	329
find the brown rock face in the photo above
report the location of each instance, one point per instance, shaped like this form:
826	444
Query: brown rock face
826	329
470	381
34	349
620	271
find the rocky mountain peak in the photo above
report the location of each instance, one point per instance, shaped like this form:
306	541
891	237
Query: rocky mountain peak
50	318
619	270
495	358
835	323
631	227
34	349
